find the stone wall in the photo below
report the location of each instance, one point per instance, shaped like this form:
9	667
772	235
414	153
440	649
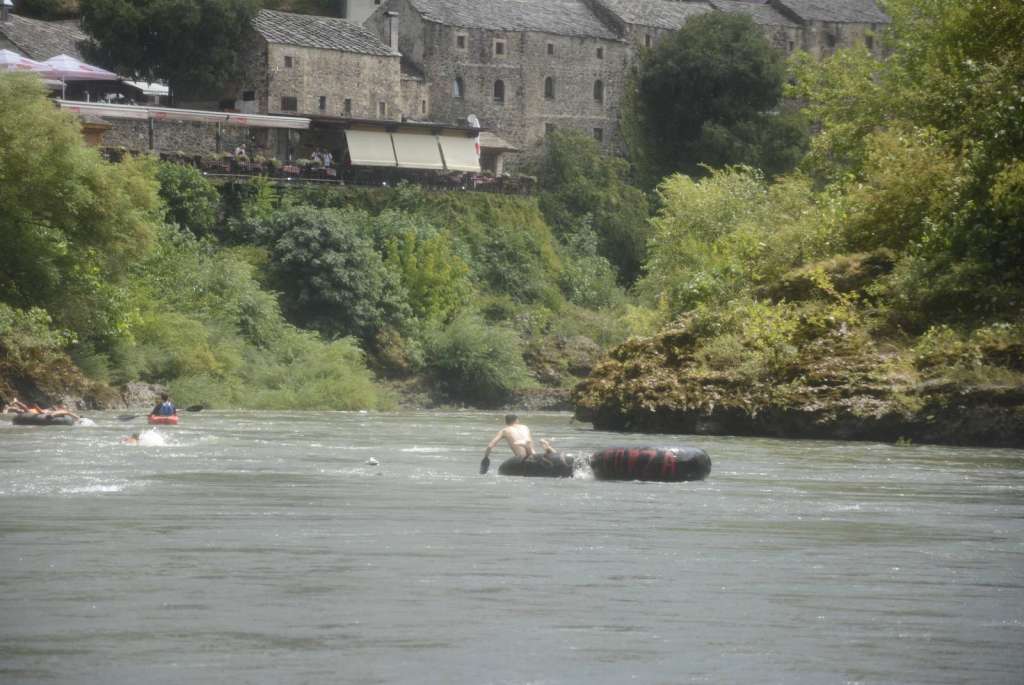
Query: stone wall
367	81
821	39
416	98
178	136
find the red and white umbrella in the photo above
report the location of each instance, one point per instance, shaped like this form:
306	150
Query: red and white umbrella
67	68
12	61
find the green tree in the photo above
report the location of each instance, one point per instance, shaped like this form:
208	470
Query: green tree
720	237
330	276
192	201
194	44
923	146
707	94
70	223
582	183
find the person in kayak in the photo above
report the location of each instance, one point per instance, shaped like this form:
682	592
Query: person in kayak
164	407
518	437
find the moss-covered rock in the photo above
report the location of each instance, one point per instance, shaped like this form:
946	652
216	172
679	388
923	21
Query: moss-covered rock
841	385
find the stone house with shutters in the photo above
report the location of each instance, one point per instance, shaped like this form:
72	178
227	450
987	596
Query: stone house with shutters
523	67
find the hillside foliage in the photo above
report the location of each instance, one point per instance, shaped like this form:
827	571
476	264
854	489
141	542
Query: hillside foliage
884	278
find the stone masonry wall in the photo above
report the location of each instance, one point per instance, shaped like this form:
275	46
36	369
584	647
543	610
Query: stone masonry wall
416	98
176	136
366	80
822	39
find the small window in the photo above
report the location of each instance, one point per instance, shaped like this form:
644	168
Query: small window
869	42
830	40
460	41
423	106
599	91
599	134
791	46
499	91
382	109
248	95
499	48
549	88
348	106
551	48
600	53
288	62
549	129
458	89
323	103
289	104
647	41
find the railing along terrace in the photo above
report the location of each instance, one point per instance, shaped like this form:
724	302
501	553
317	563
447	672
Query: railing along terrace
226	167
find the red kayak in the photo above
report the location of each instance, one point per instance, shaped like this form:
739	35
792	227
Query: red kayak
163	420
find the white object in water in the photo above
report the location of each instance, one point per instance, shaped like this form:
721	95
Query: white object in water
86	423
151	438
372	461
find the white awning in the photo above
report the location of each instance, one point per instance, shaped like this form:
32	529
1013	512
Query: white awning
417	151
148	88
460	153
109	111
370	148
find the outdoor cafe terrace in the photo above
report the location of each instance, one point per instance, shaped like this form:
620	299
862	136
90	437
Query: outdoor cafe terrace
229	146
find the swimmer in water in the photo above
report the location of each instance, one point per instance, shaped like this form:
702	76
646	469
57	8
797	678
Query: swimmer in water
132	439
518	437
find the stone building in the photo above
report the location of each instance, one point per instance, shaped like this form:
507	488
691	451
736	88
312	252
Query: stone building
523	67
301	64
526	67
827	25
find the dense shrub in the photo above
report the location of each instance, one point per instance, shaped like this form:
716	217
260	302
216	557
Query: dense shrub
192	201
475	362
330	276
583	185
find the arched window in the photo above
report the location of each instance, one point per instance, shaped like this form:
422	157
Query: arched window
457	88
549	88
499	91
599	90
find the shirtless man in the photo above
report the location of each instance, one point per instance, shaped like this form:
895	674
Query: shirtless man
518	437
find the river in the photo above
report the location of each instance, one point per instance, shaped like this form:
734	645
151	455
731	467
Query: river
262	548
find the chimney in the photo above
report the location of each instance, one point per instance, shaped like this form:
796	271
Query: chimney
392	18
5	12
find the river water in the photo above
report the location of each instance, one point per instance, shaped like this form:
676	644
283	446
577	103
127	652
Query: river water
262	548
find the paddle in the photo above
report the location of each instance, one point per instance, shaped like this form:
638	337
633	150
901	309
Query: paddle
485	464
129	417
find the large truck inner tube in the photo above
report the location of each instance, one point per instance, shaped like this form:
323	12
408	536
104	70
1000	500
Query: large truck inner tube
163	420
29	419
539	465
665	464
